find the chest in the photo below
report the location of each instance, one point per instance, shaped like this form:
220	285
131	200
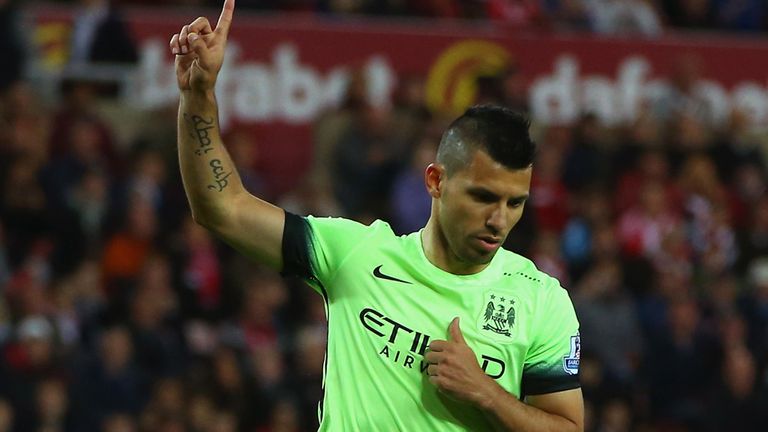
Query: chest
399	311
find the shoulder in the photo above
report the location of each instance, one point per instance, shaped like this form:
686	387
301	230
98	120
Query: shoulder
343	226
542	283
518	265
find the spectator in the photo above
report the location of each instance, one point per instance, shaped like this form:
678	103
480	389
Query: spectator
519	13
165	410
586	160
23	206
579	237
259	325
568	14
549	199
740	15
232	390
87	302
99	35
225	421
10	44
734	405
52	407
644	227
77	120
748	185
609	323
310	354
410	112
82	224
680	361
284	418
119	423
126	252
546	253
685	96
5	269
651	166
67	169
109	382
147	180
6	416
200	272
153	307
754	238
616	416
316	193
410	200
366	160
244	151
27	363
754	305
201	412
692	14
635	17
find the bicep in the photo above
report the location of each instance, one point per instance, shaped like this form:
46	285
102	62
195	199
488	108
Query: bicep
568	404
254	227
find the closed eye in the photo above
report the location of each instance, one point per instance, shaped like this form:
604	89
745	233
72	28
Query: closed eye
483	196
517	202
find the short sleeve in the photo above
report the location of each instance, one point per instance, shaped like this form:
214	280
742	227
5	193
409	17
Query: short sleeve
314	248
552	363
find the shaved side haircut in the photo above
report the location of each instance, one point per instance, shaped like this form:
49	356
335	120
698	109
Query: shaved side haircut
500	132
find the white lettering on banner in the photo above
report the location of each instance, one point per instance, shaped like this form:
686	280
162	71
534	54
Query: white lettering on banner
155	84
284	90
753	99
563	95
255	93
289	91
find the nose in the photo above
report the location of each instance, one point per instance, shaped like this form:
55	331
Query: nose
497	220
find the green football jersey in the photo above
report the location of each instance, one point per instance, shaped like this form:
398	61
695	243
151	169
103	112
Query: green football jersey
385	302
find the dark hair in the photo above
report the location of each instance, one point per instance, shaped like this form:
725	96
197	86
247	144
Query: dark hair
500	132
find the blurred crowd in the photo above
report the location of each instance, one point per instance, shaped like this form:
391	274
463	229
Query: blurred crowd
118	313
648	17
658	228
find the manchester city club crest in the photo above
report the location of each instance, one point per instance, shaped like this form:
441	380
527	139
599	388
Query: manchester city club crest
499	316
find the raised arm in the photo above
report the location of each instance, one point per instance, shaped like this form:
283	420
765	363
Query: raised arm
215	192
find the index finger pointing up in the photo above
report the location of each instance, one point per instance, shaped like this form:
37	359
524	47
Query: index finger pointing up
225	19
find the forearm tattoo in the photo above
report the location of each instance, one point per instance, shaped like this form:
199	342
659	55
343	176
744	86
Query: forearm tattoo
199	128
220	176
198	131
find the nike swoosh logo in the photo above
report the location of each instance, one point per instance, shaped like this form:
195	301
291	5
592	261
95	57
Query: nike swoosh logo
377	272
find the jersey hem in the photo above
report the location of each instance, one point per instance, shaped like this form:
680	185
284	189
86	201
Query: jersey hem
553	388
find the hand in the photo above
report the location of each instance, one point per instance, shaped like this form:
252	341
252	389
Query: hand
454	370
199	50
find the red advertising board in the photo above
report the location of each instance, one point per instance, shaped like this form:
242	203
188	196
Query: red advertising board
281	71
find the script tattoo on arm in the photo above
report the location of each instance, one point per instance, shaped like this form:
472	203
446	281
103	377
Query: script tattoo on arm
199	131
220	175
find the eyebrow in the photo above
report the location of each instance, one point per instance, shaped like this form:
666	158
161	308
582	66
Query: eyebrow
479	190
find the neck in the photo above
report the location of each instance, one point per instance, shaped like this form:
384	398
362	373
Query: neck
439	253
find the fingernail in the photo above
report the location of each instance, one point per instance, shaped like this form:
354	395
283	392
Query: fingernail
175	50
183	49
192	37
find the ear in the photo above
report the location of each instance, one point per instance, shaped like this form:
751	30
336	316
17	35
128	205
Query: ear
433	178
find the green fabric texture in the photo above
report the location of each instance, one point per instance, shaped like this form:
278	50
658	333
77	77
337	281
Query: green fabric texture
385	302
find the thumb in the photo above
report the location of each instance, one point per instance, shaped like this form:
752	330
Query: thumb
455	331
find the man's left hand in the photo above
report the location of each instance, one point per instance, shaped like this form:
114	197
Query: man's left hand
454	370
